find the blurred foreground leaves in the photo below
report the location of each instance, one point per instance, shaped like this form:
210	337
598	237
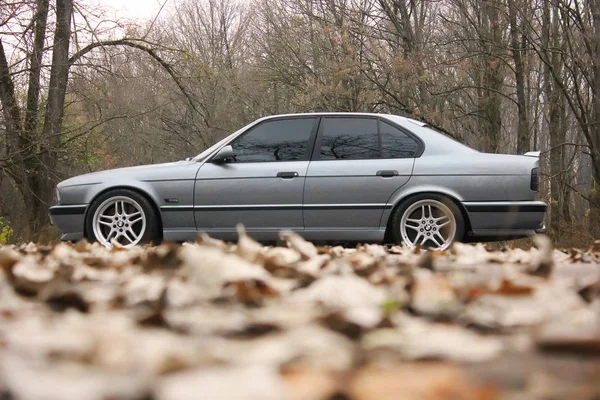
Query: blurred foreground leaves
213	320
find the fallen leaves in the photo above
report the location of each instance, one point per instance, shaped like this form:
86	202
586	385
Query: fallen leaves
241	321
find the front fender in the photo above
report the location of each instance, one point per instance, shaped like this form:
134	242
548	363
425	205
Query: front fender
144	187
86	193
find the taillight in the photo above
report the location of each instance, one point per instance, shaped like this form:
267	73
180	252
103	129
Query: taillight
535	179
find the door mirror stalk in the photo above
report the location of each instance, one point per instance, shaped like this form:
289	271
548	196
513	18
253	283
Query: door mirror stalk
223	154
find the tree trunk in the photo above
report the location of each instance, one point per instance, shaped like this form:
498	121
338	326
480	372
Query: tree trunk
595	124
42	189
492	80
553	98
29	146
8	99
523	126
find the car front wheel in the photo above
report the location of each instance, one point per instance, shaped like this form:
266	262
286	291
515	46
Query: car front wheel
430	221
122	216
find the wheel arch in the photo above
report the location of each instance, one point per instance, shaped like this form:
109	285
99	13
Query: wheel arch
406	197
132	188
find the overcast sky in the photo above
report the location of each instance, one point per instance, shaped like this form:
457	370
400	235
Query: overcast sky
131	9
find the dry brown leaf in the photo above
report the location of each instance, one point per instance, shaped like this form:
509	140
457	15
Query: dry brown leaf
507	312
30	276
506	288
205	240
163	257
248	248
422	381
311	384
425	260
578	332
8	257
346	291
278	258
210	269
432	295
314	265
294	241
544	262
416	339
252	290
226	382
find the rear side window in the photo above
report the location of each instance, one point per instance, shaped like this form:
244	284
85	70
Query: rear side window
364	139
349	139
395	143
277	140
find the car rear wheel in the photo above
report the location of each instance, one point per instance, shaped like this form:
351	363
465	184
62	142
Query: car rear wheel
123	216
430	221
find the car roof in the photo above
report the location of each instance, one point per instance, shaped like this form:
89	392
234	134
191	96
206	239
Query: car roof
328	113
339	113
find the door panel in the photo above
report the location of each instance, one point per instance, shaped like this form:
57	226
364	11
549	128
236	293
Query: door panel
358	163
261	186
349	193
251	194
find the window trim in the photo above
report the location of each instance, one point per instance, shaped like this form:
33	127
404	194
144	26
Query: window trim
307	153
317	148
316	152
418	140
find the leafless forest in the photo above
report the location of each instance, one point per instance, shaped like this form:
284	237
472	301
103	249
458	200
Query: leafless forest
80	91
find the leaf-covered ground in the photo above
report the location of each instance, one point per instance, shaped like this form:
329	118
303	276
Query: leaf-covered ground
212	320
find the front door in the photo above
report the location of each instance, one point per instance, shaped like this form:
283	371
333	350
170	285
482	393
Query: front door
358	163
261	187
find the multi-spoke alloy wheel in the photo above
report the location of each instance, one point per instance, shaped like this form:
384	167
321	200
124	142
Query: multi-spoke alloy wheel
430	221
122	216
119	218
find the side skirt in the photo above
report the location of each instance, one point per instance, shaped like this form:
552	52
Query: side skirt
342	234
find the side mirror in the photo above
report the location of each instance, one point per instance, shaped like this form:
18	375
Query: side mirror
223	154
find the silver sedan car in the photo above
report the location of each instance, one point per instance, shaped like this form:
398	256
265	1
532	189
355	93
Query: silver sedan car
327	176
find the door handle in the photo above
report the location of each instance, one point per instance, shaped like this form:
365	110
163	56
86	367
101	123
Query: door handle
387	173
287	175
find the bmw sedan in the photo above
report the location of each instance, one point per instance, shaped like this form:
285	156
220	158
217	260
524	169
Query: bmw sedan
326	176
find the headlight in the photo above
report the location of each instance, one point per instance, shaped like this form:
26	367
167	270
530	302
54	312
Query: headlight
57	196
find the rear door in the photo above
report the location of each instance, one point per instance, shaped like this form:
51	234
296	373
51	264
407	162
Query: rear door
262	186
357	164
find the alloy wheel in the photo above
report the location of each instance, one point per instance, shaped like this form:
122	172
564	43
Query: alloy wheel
121	219
428	223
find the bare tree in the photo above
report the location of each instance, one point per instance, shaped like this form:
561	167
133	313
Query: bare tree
32	153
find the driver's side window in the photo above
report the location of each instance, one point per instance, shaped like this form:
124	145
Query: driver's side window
277	140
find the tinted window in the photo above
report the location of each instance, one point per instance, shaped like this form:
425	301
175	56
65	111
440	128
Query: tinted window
395	143
349	139
280	140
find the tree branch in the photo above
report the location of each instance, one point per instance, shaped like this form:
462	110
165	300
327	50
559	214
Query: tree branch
131	43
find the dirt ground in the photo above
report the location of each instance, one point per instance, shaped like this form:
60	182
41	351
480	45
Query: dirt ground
212	320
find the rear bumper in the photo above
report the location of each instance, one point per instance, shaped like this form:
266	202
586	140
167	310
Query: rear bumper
541	229
69	219
502	220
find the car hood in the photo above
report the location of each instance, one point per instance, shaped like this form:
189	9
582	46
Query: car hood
180	170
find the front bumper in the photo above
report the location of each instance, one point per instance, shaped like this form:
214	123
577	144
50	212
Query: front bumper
502	220
69	219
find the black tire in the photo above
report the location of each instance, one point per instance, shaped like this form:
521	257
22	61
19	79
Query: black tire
152	231
404	206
